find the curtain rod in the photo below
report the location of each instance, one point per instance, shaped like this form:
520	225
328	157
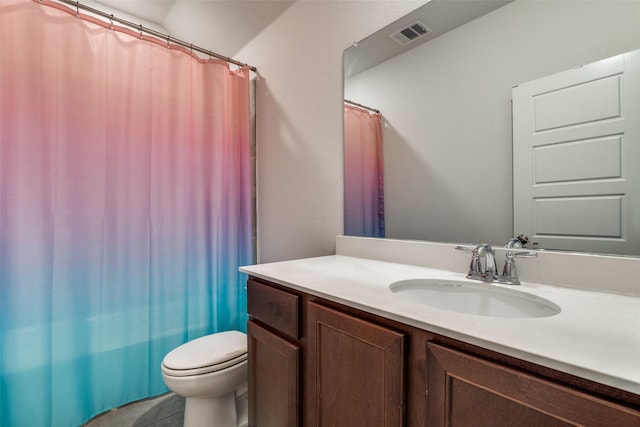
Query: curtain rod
154	33
362	106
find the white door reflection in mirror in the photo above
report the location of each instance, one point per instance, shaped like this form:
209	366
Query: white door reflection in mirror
573	187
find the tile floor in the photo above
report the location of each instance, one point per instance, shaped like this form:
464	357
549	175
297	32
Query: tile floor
163	411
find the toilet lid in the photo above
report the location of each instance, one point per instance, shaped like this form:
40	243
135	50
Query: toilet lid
207	351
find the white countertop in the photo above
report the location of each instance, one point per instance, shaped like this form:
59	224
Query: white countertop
596	335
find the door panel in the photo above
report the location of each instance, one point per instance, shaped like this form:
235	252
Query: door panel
573	105
594	216
550	160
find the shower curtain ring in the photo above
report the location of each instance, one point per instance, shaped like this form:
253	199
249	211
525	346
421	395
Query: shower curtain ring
168	40
111	22
140	30
77	8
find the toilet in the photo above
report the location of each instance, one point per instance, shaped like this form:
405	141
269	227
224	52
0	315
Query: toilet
211	373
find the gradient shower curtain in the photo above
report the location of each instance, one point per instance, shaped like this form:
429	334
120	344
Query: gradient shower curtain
364	173
125	211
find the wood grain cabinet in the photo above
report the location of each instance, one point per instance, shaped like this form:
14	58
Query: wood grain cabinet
355	371
316	363
274	357
467	391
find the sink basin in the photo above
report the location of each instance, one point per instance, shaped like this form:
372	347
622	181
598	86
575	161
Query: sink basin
480	299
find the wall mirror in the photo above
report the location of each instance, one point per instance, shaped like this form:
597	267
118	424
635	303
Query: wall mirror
442	79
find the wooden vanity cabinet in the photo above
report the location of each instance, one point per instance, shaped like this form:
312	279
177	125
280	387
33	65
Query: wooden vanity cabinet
313	362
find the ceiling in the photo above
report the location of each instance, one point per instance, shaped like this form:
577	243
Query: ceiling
223	26
440	16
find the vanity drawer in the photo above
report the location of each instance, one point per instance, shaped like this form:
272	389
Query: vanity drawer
274	307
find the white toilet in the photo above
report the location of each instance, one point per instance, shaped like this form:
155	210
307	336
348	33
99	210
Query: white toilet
211	373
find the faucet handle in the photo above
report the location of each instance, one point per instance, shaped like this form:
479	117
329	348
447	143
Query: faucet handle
509	272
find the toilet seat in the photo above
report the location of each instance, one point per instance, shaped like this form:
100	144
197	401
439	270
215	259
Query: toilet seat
206	354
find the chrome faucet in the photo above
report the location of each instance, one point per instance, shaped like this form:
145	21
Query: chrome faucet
483	263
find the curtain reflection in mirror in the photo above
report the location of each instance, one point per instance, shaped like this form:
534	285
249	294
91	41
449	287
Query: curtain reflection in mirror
364	172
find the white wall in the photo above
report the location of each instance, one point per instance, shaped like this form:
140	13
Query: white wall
448	162
299	129
120	14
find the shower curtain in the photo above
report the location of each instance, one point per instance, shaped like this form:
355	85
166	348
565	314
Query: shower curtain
364	173
125	210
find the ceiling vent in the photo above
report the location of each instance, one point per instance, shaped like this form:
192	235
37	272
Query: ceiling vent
413	32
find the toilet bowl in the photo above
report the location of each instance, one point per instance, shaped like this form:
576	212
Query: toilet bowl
211	373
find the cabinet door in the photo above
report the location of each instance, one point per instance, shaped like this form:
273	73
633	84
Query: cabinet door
355	371
274	382
467	391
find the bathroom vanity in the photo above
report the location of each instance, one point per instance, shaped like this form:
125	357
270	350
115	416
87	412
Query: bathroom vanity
330	344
